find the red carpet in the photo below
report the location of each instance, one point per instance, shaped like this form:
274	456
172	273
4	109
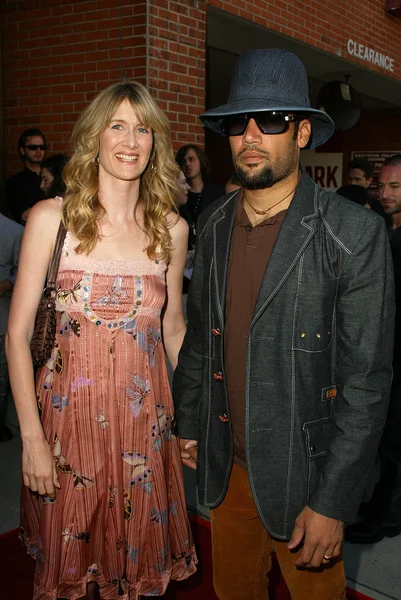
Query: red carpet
16	571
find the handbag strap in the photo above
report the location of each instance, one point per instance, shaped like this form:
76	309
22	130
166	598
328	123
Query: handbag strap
55	261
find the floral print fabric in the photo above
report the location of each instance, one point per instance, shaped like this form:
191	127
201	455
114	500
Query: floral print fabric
107	412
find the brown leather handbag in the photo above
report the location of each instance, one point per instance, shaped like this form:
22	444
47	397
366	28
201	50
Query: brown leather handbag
42	341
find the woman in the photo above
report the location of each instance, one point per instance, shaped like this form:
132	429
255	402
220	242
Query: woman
51	173
183	189
181	200
103	505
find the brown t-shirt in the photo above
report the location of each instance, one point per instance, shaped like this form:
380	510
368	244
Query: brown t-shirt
250	252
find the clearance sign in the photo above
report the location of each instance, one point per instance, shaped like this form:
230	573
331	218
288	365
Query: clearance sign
369	55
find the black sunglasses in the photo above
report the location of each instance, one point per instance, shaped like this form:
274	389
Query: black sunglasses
35	146
269	123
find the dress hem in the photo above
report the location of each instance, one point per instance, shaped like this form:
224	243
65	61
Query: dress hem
132	591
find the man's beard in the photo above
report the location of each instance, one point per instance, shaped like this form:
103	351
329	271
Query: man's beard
264	178
391	210
267	176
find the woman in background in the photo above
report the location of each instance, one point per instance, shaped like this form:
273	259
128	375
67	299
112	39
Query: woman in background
183	189
181	200
51	172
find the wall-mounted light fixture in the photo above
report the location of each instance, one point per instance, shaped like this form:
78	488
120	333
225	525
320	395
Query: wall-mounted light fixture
393	7
341	102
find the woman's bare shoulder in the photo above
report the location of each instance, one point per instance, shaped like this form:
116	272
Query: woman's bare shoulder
48	210
178	226
44	217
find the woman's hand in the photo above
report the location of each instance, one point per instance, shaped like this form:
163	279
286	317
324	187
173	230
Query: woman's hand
38	468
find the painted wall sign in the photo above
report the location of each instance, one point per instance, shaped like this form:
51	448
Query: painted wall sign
370	55
325	168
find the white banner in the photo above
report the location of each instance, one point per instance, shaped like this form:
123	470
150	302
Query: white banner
325	168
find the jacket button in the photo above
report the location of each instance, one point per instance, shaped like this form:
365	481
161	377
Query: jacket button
216	331
218	376
313	448
223	418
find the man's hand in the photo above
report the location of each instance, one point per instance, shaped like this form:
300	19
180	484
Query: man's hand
322	538
189	452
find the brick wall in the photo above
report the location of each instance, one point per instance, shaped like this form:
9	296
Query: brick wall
176	77
58	53
326	24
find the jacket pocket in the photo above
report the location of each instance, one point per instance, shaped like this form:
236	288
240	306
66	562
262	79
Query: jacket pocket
317	438
314	316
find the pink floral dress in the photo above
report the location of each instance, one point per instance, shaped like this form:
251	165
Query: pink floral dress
104	396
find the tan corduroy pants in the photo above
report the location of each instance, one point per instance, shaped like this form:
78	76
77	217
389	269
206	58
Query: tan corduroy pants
242	551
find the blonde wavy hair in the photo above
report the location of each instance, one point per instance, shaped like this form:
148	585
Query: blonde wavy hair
82	208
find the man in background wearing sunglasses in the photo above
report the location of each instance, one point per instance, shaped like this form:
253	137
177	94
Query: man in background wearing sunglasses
282	385
23	188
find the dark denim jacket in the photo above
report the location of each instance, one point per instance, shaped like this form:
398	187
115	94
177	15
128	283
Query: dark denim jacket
318	361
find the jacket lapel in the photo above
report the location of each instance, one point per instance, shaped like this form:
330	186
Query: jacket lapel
222	231
295	234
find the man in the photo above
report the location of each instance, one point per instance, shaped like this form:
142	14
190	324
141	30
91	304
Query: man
10	243
360	172
196	167
23	188
382	514
282	385
390	191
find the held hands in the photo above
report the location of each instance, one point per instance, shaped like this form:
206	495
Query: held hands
38	468
189	452
322	538
5	287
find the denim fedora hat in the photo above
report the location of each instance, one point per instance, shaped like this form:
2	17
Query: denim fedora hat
271	80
